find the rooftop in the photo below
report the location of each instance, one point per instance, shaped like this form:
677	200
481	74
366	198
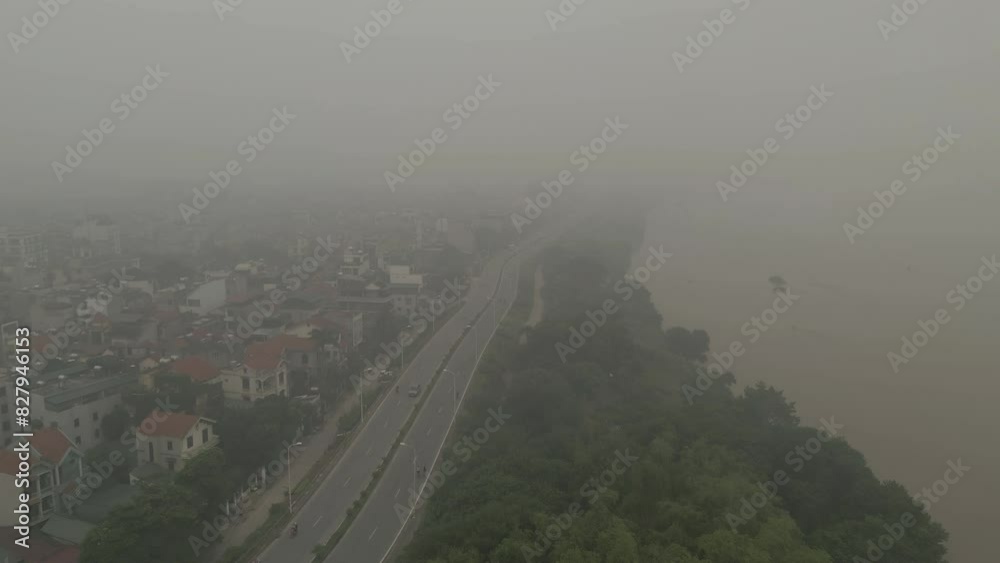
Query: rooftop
198	369
62	394
171	425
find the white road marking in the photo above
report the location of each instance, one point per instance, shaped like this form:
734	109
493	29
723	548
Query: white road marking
386	424
373	533
369	452
348	480
317	520
397	493
429	431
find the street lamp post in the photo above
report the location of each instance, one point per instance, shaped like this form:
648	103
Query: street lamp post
288	452
361	391
414	448
402	354
454	385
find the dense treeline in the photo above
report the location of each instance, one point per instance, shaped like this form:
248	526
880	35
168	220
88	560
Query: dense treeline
604	460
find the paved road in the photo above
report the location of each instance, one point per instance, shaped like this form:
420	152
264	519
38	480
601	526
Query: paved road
327	508
376	529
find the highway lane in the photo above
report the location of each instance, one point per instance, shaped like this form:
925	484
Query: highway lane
379	524
327	508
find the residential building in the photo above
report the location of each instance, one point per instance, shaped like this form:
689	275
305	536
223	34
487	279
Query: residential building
355	263
134	335
55	464
405	288
23	249
169	440
263	373
207	297
96	235
75	402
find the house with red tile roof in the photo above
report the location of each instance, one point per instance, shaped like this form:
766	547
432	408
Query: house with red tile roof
169	440
198	369
53	462
264	371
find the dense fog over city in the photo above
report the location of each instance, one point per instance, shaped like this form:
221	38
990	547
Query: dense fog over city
832	160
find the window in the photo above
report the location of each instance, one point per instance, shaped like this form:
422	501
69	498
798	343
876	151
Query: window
170	463
190	441
94	417
170	445
78	441
76	423
204	435
246	383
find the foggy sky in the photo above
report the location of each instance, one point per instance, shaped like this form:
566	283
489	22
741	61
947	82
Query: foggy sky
609	59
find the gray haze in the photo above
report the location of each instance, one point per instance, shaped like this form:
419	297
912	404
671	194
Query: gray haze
611	58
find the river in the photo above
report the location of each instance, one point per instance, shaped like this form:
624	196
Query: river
828	352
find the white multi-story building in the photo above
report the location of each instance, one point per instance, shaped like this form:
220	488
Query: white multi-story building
355	262
76	404
96	236
23	249
207	297
405	288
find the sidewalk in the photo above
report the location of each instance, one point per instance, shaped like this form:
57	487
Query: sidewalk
312	449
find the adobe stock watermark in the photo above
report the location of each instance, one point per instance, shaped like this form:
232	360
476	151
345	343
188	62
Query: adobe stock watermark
563	12
85	311
32	25
796	459
454	116
224	7
754	328
229	513
914	169
879	547
583	157
451	293
463	450
249	150
95	474
364	34
696	44
591	491
122	107
292	280
958	298
900	16
789	126
626	288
